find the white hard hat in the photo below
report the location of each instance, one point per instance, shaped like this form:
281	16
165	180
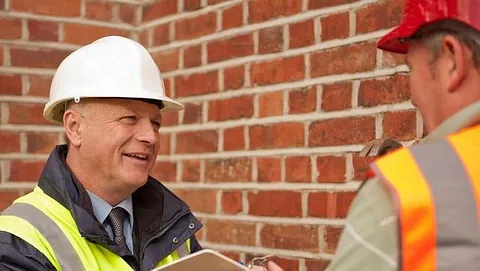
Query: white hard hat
110	67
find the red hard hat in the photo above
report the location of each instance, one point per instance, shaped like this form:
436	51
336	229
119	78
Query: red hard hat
418	13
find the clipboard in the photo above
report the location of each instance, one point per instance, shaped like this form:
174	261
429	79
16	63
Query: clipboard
204	260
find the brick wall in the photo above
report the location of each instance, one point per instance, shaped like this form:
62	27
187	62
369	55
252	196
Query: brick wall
280	96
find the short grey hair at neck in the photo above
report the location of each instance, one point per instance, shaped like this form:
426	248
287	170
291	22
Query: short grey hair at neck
432	35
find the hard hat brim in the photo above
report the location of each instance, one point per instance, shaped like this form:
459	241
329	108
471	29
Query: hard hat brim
53	110
393	41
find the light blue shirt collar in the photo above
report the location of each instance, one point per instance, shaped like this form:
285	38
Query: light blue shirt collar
102	209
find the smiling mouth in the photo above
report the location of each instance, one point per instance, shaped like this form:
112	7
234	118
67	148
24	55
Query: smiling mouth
137	156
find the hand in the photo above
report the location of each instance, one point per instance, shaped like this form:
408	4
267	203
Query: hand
271	266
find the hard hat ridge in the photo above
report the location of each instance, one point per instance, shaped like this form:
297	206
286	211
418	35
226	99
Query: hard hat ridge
110	67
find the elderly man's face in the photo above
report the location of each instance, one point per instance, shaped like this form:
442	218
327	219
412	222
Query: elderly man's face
120	142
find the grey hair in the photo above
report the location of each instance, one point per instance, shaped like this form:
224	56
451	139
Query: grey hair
432	35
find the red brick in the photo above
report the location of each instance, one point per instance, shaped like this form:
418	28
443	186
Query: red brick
231	232
100	11
298	169
295	237
167	60
315	4
344	200
275	203
392	59
329	205
269	169
331	236
238	46
382	15
303	100
202	201
161	35
11	28
197	142
39	85
351	58
190	5
270	40
337	96
331	169
335	26
316	265
201	25
234	139
127	13
278	71
1	55
159	9
400	125
320	204
25	171
26	114
143	37
42	30
192	113
230	109
234	77
232	17
192	56
228	170
7	198
263	10
196	84
213	2
164	171
41	142
344	131
270	104
280	135
164	144
37	58
45	7
232	202
169	118
361	167
11	84
10	142
385	90
190	171
83	34
301	34
2	4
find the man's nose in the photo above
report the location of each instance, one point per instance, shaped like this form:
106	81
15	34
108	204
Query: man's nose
146	132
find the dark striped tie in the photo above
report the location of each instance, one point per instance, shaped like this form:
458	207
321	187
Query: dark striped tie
116	218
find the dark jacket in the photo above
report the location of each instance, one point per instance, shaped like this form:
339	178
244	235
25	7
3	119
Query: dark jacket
159	216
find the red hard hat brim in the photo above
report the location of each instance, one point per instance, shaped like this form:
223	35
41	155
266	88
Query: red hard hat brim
392	42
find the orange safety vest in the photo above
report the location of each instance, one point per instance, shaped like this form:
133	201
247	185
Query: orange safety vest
435	189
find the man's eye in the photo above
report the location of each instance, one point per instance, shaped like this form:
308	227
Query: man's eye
156	124
130	118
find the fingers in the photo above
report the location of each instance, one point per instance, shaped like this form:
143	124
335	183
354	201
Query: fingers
273	267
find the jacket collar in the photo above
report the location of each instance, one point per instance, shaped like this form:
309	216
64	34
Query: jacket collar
154	205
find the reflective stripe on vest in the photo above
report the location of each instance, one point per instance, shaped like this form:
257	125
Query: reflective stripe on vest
63	249
436	189
49	227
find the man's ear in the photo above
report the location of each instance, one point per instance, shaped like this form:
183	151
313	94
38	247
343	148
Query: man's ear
72	123
456	61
